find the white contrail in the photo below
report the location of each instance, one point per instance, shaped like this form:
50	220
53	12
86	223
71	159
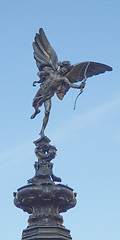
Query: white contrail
61	134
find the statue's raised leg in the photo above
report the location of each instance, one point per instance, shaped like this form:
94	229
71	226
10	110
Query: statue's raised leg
35	113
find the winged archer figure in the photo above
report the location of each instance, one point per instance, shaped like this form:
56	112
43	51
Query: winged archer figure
58	77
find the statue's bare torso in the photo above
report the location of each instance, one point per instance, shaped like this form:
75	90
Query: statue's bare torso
58	77
48	87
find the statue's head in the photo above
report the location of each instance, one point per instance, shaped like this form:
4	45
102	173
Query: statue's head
64	64
45	67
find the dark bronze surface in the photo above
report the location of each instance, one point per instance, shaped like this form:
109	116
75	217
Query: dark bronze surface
44	200
41	197
58	77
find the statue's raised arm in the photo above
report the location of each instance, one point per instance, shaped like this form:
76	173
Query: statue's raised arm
58	77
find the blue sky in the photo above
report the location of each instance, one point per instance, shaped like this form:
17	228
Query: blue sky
87	139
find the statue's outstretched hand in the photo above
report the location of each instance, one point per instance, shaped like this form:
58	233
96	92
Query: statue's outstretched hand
82	85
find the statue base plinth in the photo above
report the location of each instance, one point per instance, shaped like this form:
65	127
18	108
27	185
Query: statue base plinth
46	232
43	199
44	203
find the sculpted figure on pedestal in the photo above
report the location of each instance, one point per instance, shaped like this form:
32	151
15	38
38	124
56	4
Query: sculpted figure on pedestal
58	77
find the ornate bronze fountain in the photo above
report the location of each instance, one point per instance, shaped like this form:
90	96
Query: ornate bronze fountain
42	198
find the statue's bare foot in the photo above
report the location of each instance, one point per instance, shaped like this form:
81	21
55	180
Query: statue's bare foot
41	133
35	113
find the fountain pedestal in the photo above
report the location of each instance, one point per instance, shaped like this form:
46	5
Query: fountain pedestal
43	199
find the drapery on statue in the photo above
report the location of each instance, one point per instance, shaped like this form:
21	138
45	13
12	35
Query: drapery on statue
58	77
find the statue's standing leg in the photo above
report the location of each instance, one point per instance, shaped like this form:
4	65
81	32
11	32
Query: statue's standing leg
47	105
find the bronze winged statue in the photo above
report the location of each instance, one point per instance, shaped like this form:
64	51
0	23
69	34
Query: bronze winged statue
58	77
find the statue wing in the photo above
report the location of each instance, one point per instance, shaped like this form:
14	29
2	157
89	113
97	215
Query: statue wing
81	71
44	54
